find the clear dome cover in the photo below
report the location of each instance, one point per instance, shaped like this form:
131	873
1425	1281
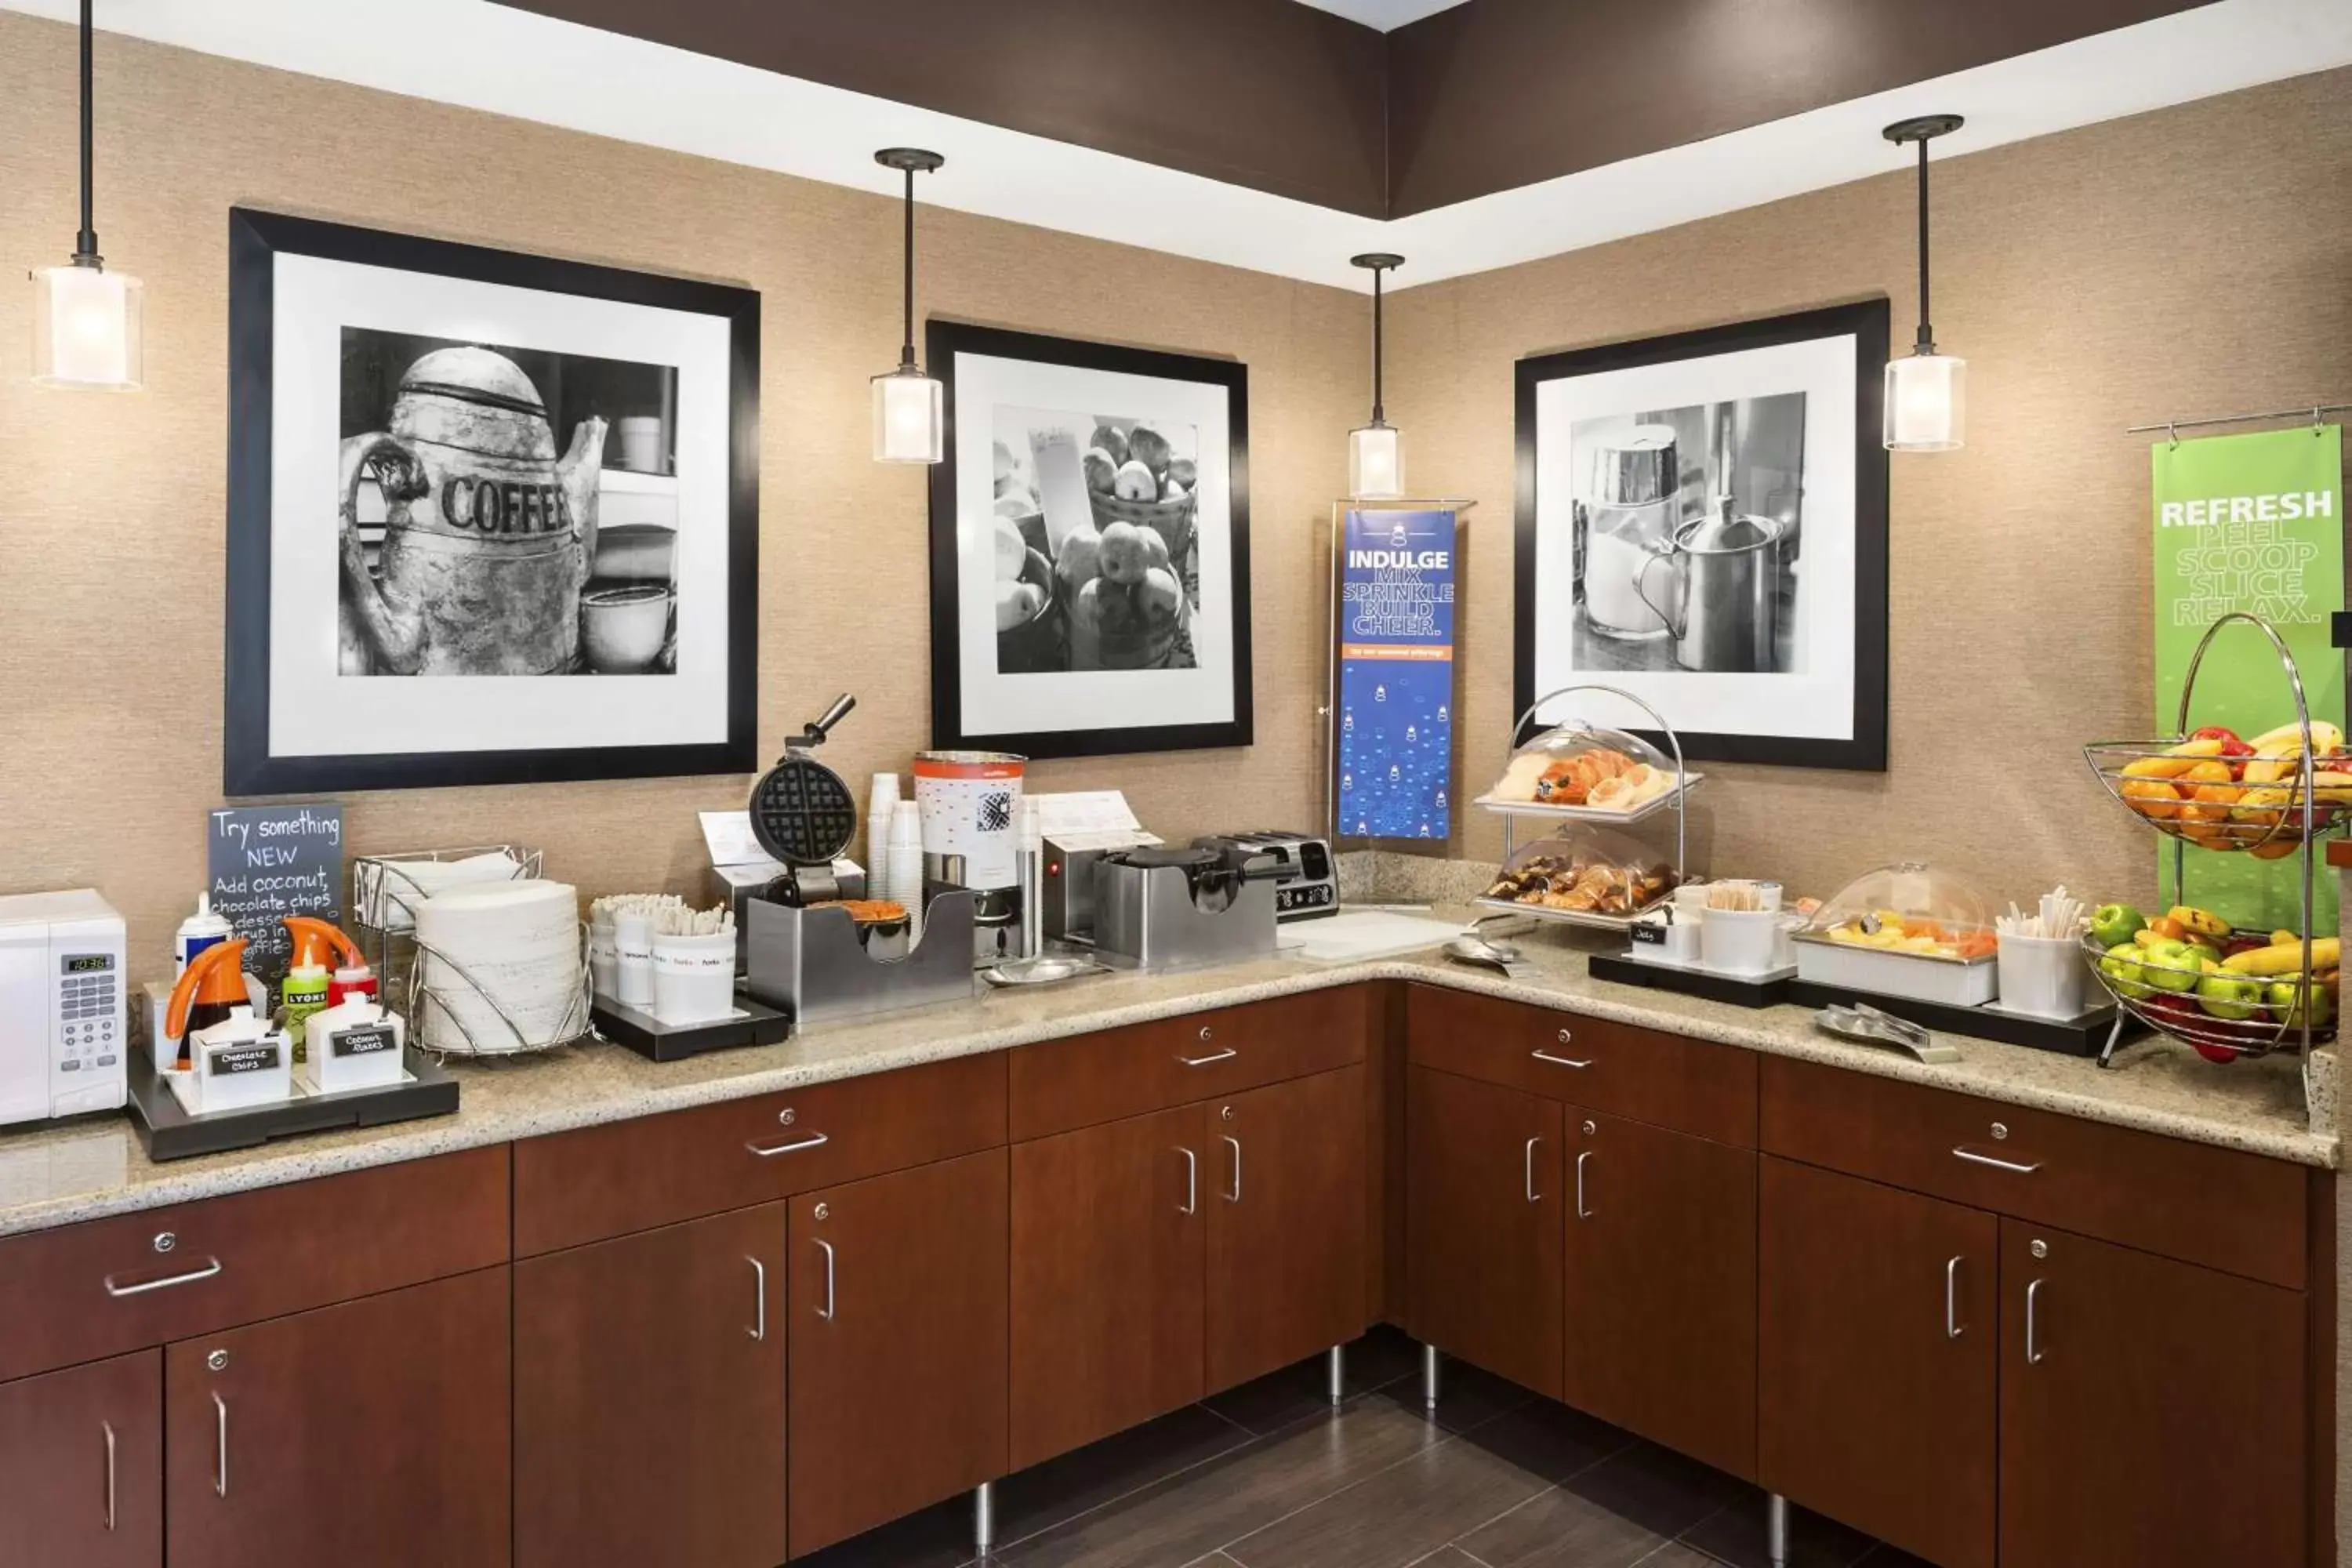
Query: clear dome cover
1585	766
1586	871
1908	907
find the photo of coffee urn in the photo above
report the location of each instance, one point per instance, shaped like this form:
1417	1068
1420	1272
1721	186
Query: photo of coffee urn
1634	512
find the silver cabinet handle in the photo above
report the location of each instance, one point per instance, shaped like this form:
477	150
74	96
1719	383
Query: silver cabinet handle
220	1446
1582	1212
825	1312
108	1428
1964	1152
1527	1170
1953	1327
1228	1054
1191	1183
212	1267
769	1151
1544	1055
2033	1324
1236	1195
759	1329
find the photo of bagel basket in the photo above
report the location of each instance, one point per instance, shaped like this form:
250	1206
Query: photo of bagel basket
2273	796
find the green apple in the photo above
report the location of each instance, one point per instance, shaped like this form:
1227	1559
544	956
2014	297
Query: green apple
2171	966
2121	966
2113	923
2230	997
2285	1000
2203	954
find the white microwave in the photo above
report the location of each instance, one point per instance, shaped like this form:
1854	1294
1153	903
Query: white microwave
65	1030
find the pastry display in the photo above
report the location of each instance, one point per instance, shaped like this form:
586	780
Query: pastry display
1603	876
1596	770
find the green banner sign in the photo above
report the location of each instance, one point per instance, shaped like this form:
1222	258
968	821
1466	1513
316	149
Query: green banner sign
2253	523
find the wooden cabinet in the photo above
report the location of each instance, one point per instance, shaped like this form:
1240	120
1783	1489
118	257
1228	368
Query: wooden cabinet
370	1435
1877	1347
649	1398
2151	1412
1108	1290
1660	1285
1286	1225
1484	1225
897	1312
81	1462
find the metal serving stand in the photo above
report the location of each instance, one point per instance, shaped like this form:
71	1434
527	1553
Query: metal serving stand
2275	819
1512	811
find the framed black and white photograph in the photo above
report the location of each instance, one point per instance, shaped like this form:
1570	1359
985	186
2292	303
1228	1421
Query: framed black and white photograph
1701	522
1089	548
492	517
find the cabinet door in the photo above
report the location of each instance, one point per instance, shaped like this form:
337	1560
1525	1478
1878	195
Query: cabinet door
2151	1412
81	1466
1287	1224
1107	1317
370	1435
1660	1286
649	1398
1877	1352
898	1310
1483	1224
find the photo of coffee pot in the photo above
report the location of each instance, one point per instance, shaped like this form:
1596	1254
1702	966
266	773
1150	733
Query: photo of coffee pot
1636	480
1714	586
489	534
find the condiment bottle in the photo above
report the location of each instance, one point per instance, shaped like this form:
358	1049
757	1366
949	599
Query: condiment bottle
308	987
198	931
207	991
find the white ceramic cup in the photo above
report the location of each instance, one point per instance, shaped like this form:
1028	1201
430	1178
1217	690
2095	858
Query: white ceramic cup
1682	938
603	960
2045	975
641	443
694	977
1744	942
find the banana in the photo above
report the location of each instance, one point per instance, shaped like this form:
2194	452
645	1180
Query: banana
2175	761
2286	740
2286	958
2201	922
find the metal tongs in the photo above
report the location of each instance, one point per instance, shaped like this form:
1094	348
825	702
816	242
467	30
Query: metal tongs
1865	1023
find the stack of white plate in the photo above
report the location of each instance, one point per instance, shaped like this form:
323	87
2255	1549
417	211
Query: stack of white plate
502	968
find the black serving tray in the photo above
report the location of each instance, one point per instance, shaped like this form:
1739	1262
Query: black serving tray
2082	1037
1739	990
168	1133
754	1024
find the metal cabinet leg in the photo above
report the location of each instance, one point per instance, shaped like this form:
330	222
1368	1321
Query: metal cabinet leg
1776	1529
1335	1372
983	1519
1429	1377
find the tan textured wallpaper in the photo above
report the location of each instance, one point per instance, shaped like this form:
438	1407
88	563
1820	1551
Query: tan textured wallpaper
112	508
2186	262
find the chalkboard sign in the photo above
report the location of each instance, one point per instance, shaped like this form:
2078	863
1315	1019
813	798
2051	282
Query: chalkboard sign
265	862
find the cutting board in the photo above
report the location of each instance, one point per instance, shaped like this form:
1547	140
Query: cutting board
1356	936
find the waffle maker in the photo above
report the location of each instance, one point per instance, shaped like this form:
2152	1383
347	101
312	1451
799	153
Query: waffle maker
803	815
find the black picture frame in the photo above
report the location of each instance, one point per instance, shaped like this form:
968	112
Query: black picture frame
255	239
1867	322
943	340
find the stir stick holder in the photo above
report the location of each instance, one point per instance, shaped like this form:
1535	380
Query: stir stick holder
812	964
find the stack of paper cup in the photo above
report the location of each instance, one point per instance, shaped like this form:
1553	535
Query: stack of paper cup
880	812
907	865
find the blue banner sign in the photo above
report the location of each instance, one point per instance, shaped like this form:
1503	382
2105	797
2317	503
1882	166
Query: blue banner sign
1396	675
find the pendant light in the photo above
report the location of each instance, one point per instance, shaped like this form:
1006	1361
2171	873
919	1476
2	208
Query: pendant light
908	421
1376	451
1928	393
86	320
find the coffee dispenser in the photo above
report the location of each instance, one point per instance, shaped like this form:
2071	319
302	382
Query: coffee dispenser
969	802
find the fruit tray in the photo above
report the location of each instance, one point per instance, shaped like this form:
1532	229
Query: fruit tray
2224	1014
2216	791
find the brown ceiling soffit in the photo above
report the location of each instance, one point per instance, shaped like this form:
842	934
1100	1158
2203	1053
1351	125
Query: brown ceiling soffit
1268	94
1497	94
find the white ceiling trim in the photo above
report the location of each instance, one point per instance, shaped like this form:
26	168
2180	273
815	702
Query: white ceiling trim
513	62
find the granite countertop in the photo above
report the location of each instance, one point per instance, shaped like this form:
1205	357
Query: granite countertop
78	1171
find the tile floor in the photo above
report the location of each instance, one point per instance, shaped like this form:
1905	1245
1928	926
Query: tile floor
1269	1476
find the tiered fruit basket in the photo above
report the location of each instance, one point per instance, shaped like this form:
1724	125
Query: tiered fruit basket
2273	798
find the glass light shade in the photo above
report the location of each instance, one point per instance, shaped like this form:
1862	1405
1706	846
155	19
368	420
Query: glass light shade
908	421
87	329
1375	463
1926	404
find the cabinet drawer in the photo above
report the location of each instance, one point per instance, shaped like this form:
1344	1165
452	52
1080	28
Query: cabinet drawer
576	1187
2216	1207
1094	1078
1645	1075
98	1289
